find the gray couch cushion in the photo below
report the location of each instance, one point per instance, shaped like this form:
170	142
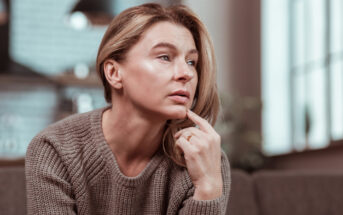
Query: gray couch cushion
12	191
242	198
299	193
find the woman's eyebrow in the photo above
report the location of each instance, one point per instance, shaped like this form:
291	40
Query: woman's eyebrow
164	45
193	51
173	47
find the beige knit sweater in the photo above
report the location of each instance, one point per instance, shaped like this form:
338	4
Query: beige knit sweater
70	169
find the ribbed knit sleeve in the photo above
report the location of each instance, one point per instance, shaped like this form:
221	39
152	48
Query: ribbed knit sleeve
48	189
210	207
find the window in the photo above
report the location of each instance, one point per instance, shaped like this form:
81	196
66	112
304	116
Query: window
302	44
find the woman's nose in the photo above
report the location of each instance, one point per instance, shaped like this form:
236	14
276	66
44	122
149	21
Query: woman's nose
183	72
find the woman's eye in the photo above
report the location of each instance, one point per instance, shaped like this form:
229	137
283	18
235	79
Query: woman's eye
164	57
191	62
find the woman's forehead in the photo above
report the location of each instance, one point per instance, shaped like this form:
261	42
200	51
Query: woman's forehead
168	35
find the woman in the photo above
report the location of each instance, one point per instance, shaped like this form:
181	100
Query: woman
152	151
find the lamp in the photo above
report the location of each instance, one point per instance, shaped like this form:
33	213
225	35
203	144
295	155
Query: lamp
91	12
101	12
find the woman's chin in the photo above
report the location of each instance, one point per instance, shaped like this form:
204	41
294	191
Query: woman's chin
180	113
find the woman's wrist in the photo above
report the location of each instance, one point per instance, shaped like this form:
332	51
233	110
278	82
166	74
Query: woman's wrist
208	192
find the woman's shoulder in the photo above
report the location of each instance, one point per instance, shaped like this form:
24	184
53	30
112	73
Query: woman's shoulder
70	131
70	143
67	126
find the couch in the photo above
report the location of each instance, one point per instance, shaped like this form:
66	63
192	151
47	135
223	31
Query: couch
266	192
286	192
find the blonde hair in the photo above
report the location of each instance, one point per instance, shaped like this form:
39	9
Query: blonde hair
125	31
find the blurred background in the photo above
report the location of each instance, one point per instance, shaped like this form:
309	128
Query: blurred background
279	71
280	77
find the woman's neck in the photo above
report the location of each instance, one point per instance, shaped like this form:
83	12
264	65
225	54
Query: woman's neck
131	137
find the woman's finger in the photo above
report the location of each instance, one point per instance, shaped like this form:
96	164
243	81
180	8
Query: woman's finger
202	123
187	135
184	145
192	130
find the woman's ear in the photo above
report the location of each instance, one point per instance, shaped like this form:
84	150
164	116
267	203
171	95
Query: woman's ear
112	73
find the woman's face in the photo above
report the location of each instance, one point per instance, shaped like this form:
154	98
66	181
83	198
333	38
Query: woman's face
159	74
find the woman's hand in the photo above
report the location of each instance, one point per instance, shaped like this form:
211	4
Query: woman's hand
202	152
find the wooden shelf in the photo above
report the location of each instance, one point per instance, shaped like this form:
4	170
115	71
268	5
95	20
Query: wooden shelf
69	79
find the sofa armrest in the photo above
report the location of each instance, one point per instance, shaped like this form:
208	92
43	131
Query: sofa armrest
12	190
299	192
242	195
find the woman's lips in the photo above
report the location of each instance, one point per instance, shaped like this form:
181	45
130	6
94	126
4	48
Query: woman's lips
180	96
179	99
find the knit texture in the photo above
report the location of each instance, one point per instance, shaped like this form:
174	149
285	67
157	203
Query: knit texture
70	169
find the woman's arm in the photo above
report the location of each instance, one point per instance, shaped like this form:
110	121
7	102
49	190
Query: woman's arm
216	206
47	186
208	168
